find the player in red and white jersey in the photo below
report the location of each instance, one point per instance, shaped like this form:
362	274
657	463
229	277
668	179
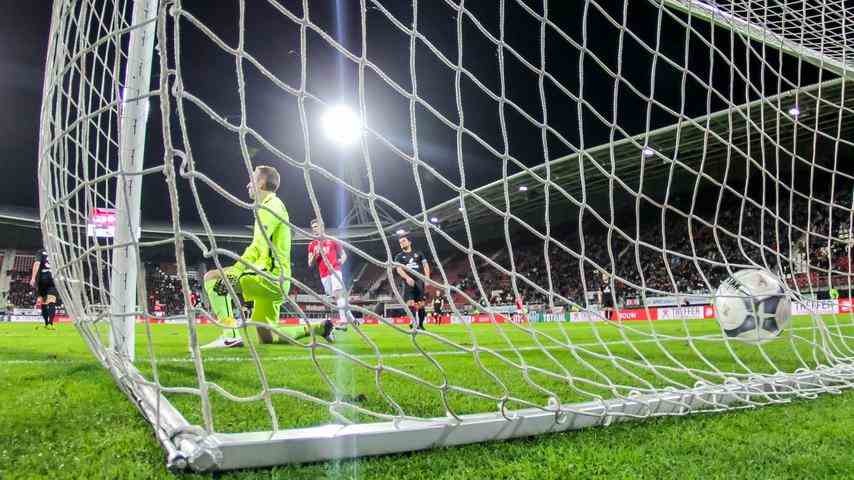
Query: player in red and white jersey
328	255
521	310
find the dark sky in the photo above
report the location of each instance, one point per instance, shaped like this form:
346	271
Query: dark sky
24	33
209	74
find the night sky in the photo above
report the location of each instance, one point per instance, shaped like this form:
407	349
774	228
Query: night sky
209	74
24	33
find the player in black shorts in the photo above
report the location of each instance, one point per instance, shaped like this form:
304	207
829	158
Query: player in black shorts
42	281
414	292
606	298
437	308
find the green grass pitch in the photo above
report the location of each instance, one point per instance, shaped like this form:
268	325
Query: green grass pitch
62	417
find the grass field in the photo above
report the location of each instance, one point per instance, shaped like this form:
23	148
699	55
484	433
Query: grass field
62	417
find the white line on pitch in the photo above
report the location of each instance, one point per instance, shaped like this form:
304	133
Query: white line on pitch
145	360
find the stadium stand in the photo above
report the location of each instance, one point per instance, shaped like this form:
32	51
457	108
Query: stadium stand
647	266
711	240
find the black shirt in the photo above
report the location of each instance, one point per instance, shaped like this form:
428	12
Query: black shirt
605	291
413	260
44	264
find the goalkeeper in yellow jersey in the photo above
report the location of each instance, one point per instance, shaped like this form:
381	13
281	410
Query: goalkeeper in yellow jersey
266	296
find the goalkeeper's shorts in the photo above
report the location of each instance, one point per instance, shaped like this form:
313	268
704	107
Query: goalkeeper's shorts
266	296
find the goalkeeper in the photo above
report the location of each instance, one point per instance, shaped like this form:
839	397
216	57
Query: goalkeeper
266	296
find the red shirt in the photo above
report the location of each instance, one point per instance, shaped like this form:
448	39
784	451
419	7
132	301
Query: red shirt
329	249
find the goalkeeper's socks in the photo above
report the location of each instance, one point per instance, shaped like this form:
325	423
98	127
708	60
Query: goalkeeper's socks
45	315
221	308
233	332
220	304
295	332
322	329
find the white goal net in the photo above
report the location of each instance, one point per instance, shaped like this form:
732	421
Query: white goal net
581	178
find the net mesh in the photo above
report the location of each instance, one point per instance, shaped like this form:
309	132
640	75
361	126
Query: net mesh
820	27
623	153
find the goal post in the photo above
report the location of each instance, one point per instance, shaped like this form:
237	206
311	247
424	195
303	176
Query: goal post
133	96
565	154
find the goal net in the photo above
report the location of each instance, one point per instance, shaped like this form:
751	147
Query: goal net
605	165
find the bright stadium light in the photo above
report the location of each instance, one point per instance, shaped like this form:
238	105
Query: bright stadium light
647	152
342	125
795	111
401	232
523	188
434	220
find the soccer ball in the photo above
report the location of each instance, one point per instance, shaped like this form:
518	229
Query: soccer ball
753	306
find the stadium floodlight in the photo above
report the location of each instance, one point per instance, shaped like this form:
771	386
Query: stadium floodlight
648	152
795	111
91	151
434	219
342	125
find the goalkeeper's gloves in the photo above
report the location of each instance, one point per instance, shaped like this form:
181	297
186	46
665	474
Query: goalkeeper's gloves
221	288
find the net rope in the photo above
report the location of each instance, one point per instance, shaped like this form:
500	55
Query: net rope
527	366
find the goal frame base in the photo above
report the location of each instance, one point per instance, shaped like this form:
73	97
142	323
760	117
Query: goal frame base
189	447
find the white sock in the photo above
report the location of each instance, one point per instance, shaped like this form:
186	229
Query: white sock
343	311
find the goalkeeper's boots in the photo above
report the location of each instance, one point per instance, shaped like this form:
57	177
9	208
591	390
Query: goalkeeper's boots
223	342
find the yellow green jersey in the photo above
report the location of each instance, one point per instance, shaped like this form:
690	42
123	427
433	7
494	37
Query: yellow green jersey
274	217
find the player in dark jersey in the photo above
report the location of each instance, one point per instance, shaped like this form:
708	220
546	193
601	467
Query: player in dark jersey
606	297
42	281
414	292
437	308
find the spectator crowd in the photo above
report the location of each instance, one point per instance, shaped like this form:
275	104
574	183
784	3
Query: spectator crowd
804	240
806	244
